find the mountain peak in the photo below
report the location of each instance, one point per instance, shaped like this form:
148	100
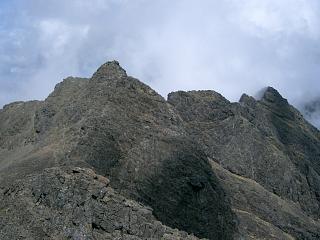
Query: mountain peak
273	100
110	70
271	95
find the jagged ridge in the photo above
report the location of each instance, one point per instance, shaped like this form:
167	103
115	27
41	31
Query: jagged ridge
207	166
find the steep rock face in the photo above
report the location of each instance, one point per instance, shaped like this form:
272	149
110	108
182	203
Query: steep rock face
266	141
124	130
16	124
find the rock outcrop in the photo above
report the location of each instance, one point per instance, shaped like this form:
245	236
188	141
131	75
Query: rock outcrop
75	204
109	158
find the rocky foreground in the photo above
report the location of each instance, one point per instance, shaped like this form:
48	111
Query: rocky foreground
109	158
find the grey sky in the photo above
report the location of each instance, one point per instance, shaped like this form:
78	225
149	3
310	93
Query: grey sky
231	46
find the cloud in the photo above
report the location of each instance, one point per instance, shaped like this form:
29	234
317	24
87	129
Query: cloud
231	46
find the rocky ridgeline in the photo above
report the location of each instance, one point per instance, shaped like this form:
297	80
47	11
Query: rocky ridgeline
109	158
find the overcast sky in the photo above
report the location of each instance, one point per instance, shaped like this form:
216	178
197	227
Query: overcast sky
231	46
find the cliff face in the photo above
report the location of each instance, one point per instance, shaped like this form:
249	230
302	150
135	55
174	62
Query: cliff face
196	162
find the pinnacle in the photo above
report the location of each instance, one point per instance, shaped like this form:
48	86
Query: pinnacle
273	96
110	70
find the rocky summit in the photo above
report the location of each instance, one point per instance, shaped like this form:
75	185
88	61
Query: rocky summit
109	158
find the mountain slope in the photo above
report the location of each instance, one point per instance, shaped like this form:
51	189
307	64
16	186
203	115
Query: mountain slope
123	129
266	142
203	165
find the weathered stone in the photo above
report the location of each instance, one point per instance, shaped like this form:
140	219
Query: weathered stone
109	158
64	203
123	129
267	142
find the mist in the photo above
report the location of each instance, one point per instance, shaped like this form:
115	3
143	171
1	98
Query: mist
230	46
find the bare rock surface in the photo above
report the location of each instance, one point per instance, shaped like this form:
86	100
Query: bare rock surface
123	129
266	142
109	158
75	203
